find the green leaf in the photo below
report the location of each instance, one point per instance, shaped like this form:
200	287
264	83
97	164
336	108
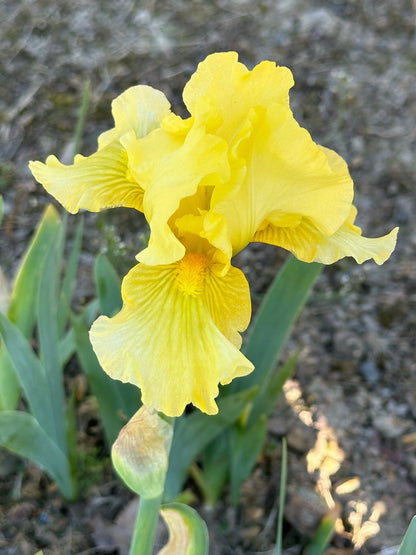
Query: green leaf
4	292
265	400
324	534
48	338
117	401
216	468
275	318
194	432
66	347
23	305
1	208
407	547
21	433
30	373
246	444
9	384
69	279
73	453
188	533
108	286
24	297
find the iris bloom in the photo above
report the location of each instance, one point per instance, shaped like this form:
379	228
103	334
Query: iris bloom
239	169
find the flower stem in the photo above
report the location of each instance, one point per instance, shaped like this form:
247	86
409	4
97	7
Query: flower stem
145	529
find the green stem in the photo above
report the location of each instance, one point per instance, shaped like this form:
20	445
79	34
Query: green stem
145	529
282	496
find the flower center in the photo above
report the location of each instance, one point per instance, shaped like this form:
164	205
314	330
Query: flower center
191	274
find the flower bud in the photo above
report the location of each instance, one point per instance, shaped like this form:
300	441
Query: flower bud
140	454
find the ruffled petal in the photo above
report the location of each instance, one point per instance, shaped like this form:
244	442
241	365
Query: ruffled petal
171	179
169	340
94	183
104	180
228	300
288	175
228	85
139	109
348	241
307	243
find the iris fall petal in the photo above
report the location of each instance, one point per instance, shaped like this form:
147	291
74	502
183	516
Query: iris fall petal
94	183
307	243
169	340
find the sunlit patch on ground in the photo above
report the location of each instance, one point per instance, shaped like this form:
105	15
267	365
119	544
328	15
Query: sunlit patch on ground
324	460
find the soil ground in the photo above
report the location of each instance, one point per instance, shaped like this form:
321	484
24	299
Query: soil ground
349	412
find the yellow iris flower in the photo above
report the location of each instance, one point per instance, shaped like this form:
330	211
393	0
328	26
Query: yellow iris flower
239	169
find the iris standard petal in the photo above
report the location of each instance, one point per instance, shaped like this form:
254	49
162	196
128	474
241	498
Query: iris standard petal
276	167
173	178
288	174
139	109
307	243
169	340
232	89
103	180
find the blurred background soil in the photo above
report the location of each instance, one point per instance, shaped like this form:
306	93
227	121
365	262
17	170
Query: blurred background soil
349	412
